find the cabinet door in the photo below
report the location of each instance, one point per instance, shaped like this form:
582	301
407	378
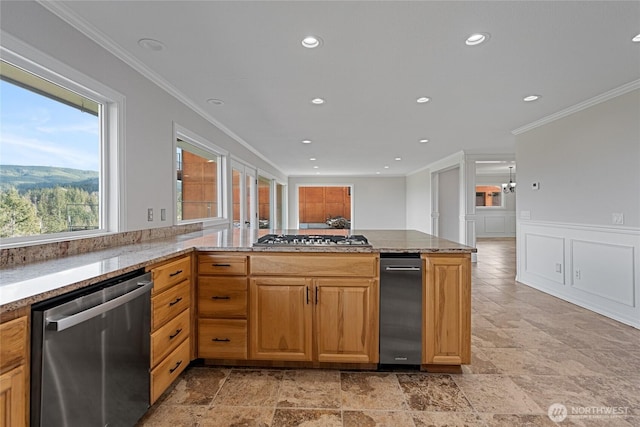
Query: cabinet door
12	398
446	336
280	319
346	319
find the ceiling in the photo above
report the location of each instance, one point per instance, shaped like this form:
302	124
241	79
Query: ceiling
375	60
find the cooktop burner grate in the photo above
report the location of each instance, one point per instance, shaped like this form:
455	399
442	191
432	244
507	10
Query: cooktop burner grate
311	240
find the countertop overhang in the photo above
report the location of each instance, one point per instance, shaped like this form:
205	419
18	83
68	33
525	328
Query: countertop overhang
29	283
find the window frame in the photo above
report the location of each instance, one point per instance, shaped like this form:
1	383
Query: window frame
112	213
202	144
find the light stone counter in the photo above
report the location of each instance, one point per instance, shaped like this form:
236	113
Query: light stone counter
27	284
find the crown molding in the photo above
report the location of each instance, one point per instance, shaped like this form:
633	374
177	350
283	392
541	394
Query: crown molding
70	17
621	90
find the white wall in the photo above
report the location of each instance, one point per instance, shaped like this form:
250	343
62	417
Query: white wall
588	166
496	222
418	195
150	111
449	204
378	203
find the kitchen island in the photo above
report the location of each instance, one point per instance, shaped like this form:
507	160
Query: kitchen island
236	304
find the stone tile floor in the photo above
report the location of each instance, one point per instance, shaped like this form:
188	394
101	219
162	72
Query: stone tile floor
529	351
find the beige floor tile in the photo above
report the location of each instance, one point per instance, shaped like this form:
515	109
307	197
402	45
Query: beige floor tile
371	390
447	419
517	420
496	394
197	386
307	418
377	419
235	416
310	389
250	388
173	416
432	392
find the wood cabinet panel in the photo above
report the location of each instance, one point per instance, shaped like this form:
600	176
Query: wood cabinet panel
222	264
13	403
170	303
13	343
315	265
168	337
346	320
280	319
222	297
169	274
447	310
168	370
222	338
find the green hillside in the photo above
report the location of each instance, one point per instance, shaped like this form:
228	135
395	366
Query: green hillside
24	178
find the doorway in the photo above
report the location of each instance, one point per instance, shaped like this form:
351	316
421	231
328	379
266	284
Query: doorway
323	207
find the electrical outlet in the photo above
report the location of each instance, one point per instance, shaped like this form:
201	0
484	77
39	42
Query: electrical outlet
150	214
558	267
577	274
163	214
617	218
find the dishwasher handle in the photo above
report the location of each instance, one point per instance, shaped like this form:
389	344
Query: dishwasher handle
394	268
75	319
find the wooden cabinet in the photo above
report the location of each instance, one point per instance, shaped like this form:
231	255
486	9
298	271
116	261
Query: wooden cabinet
446	333
170	322
329	316
13	372
222	306
281	319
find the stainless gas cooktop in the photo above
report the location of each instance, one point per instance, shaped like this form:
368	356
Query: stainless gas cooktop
311	240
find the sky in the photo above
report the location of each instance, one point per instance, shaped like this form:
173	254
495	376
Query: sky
38	131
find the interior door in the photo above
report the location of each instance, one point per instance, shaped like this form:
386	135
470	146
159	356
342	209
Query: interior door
244	193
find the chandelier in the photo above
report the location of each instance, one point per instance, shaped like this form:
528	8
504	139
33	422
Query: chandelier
511	186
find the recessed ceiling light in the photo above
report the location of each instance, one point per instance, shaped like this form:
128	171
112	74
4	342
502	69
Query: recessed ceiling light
386	166
317	101
398	158
636	39
311	42
215	101
476	39
423	100
306	141
378	173
313	159
316	167
530	98
152	44
424	141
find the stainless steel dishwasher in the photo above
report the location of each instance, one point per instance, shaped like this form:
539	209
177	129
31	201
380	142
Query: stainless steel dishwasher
90	355
400	309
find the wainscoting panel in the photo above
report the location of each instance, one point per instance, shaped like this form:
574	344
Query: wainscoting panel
595	267
543	255
604	270
494	224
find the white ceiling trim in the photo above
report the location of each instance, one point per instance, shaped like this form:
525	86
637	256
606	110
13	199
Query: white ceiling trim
71	18
579	107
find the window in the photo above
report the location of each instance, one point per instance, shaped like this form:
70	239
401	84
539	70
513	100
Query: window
489	196
57	141
199	189
264	202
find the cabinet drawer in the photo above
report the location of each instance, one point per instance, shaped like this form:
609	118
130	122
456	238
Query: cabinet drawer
13	339
222	339
222	296
222	264
169	274
168	304
168	337
168	370
315	265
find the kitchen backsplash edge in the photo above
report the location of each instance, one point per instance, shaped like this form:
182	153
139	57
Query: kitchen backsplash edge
10	257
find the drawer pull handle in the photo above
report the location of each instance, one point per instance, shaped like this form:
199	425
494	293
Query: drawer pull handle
176	334
175	274
221	265
221	340
175	367
217	297
175	302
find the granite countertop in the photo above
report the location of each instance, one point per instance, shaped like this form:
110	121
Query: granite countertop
27	284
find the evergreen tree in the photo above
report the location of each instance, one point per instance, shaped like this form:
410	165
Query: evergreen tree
18	215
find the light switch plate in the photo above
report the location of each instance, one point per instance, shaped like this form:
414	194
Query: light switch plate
525	214
535	186
617	218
